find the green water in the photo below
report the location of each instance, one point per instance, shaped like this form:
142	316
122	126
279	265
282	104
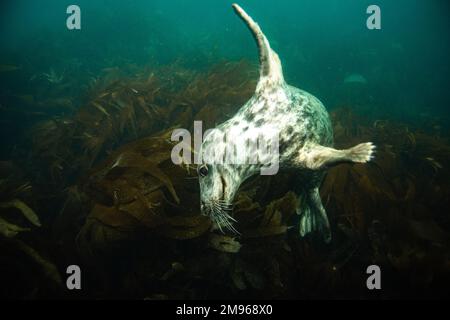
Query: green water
68	101
320	42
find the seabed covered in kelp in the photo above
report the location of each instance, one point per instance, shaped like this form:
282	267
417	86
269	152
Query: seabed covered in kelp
98	189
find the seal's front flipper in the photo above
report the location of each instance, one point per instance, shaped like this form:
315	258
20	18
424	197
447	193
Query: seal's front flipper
313	217
318	157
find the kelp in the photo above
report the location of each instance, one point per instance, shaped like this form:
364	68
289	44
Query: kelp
18	218
15	215
123	202
10	230
377	211
120	109
224	243
400	192
135	189
26	211
274	220
131	202
184	228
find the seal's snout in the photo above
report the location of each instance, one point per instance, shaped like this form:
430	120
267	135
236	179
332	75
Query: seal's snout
203	208
219	212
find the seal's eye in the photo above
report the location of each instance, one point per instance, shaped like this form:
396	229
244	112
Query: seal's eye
203	170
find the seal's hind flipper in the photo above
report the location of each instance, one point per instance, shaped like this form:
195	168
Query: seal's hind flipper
319	157
313	217
271	73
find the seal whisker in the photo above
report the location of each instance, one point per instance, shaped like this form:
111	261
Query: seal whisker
226	209
217	219
219	214
230	217
230	226
224	204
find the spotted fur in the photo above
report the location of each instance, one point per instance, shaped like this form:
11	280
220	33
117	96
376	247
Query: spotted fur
305	143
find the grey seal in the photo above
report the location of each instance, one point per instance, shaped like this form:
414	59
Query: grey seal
305	143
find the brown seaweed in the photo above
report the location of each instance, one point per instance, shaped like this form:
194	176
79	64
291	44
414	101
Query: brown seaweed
120	197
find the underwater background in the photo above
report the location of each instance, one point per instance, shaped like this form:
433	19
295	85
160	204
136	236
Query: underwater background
73	101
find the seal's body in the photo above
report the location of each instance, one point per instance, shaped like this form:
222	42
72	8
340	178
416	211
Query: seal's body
304	134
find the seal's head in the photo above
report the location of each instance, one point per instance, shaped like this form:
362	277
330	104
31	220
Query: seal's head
219	183
217	192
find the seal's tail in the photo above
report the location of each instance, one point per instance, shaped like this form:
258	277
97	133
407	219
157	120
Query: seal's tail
270	65
313	218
